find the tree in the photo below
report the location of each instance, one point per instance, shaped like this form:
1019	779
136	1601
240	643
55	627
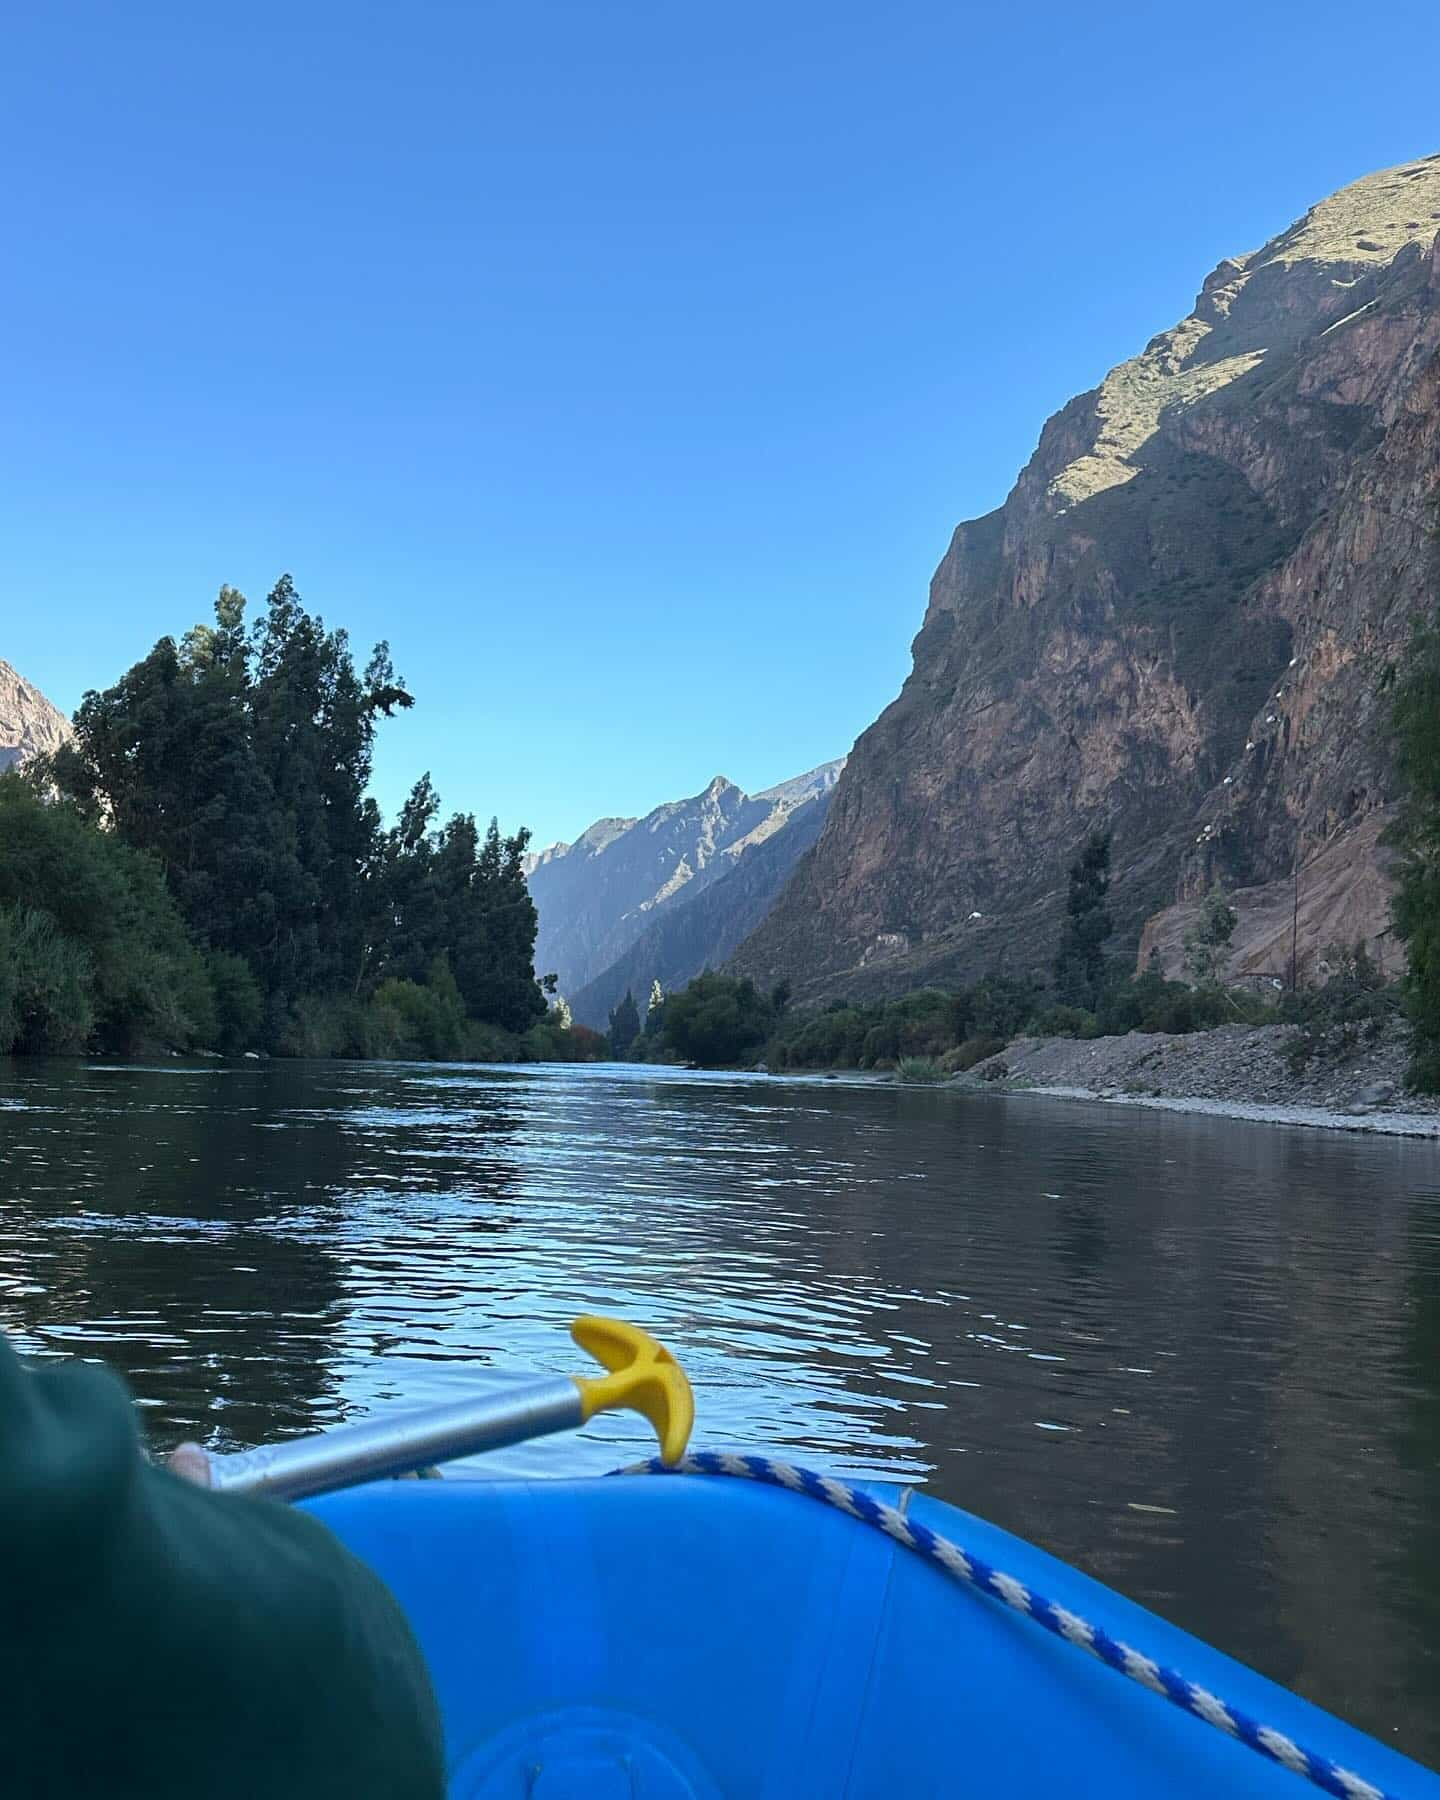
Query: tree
716	1020
624	1027
1208	939
92	950
1080	962
1415	724
239	759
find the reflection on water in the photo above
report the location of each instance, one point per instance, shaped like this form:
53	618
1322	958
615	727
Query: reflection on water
1200	1359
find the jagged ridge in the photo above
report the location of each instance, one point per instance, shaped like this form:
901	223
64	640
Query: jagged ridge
29	724
1174	627
595	897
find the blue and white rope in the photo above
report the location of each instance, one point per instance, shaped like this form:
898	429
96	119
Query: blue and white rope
963	1565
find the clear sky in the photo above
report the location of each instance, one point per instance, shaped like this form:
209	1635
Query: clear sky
626	363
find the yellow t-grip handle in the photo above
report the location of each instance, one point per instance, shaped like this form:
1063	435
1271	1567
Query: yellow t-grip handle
643	1376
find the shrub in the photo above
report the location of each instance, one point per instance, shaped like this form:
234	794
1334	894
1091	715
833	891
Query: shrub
1353	1008
717	1020
918	1068
238	1003
326	1025
45	982
1065	1021
975	1050
97	950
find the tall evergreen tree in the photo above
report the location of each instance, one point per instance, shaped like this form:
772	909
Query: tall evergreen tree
240	759
1080	963
624	1026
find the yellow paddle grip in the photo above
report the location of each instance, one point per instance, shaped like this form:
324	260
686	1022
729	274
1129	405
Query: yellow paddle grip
644	1377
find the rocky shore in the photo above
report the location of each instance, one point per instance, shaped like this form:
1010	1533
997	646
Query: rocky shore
1238	1071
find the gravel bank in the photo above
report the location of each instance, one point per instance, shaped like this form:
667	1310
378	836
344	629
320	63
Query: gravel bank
1237	1071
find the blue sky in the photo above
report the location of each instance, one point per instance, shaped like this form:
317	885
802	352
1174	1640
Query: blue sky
627	365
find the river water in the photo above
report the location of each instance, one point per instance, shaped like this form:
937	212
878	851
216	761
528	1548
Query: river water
1198	1358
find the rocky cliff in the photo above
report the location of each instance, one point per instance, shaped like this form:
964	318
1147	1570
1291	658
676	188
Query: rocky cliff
597	896
1176	628
702	930
29	724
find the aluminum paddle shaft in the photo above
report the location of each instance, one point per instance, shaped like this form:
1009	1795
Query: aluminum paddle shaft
642	1376
375	1448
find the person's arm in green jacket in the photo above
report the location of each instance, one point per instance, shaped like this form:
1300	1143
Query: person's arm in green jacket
160	1640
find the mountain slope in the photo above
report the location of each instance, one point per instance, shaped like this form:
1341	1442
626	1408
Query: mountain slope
596	896
1175	628
703	930
29	724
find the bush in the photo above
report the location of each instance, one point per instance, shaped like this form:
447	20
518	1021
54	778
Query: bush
45	982
975	1050
489	1044
833	1039
1352	1009
324	1025
239	1006
1000	1006
717	1020
1064	1021
1149	1002
918	1068
96	952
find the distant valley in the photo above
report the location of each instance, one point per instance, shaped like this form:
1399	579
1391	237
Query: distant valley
660	898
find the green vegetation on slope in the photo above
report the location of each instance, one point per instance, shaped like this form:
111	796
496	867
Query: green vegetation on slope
92	948
203	868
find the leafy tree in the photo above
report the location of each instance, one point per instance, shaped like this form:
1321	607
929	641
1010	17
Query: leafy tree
238	759
717	1020
624	1026
92	949
1080	962
1208	939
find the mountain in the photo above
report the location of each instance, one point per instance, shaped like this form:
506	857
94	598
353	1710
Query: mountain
29	724
1177	628
596	897
702	930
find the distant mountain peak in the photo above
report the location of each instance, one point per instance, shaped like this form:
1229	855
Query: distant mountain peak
596	896
29	724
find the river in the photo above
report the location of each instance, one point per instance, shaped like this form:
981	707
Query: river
1198	1358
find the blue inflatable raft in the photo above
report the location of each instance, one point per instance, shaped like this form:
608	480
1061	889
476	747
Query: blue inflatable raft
657	1639
743	1628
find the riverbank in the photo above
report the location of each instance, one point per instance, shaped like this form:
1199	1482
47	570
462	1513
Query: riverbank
1234	1071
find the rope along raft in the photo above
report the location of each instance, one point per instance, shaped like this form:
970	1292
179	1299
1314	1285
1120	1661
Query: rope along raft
963	1565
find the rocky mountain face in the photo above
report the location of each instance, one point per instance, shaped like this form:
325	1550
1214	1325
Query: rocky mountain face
597	896
1177	628
702	930
29	724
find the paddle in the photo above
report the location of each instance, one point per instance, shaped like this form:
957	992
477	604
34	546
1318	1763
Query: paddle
643	1377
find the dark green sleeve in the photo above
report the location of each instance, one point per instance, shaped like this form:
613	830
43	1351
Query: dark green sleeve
157	1639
